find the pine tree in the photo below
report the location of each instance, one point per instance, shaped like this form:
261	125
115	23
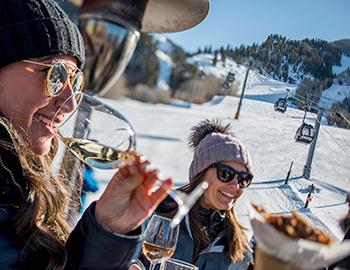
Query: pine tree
215	59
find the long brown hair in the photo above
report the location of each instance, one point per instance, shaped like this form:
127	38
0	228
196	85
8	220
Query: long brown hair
40	224
233	230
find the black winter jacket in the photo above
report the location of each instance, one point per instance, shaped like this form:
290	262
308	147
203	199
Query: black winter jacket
89	246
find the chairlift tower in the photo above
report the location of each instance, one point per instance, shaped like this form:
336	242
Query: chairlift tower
307	167
242	94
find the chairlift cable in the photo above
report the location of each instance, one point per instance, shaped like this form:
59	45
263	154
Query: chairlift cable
304	99
337	143
320	96
331	111
327	110
346	119
313	107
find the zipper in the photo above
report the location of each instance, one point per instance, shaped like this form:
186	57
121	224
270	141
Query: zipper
2	165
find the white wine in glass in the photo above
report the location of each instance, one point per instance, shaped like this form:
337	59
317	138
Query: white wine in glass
154	252
97	134
159	239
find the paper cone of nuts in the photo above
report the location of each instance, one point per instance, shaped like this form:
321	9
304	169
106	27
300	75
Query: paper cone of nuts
289	242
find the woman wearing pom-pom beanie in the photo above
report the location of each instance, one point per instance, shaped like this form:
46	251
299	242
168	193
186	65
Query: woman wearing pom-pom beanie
211	236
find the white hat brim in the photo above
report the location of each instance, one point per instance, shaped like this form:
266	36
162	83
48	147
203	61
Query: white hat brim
173	15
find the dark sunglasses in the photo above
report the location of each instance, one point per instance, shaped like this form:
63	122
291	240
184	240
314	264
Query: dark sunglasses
58	75
226	174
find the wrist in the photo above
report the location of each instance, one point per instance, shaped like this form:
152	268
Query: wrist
106	224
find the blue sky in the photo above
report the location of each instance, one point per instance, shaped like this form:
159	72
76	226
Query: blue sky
237	22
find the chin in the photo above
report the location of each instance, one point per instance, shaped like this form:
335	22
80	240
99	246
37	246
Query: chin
225	206
41	148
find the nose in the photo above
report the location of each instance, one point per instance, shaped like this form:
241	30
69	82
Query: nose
234	183
66	101
235	186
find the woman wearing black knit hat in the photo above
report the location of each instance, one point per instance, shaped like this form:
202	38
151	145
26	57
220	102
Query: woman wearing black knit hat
211	236
41	57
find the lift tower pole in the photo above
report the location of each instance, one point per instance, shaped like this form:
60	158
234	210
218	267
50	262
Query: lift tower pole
242	94
307	167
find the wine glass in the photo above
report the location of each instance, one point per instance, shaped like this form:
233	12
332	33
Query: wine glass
174	264
97	134
103	138
159	239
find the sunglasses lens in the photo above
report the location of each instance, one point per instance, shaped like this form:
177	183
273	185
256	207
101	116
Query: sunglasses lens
225	174
244	179
77	82
57	78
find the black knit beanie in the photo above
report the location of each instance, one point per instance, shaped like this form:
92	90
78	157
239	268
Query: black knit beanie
36	28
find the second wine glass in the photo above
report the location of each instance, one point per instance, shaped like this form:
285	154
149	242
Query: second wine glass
159	239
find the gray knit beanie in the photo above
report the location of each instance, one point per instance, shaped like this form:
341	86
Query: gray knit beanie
36	28
212	142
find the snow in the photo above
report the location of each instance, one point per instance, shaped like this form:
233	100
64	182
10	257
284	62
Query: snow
165	66
162	132
260	87
344	64
335	93
164	43
165	49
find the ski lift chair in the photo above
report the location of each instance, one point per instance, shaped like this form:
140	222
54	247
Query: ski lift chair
305	133
281	105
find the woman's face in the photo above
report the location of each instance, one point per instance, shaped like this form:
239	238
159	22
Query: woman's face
219	195
24	102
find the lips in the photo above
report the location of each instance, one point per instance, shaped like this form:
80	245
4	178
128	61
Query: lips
46	121
227	195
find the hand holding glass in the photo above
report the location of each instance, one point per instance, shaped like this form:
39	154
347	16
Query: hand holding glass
103	138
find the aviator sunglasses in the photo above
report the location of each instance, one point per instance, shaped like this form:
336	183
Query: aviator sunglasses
226	174
58	74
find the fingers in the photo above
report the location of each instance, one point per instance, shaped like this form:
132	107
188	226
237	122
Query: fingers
140	176
160	194
131	174
151	178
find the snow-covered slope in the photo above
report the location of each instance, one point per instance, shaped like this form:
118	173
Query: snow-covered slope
335	93
344	64
258	86
162	132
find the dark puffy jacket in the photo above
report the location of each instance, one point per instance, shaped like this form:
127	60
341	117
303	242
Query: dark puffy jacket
89	246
